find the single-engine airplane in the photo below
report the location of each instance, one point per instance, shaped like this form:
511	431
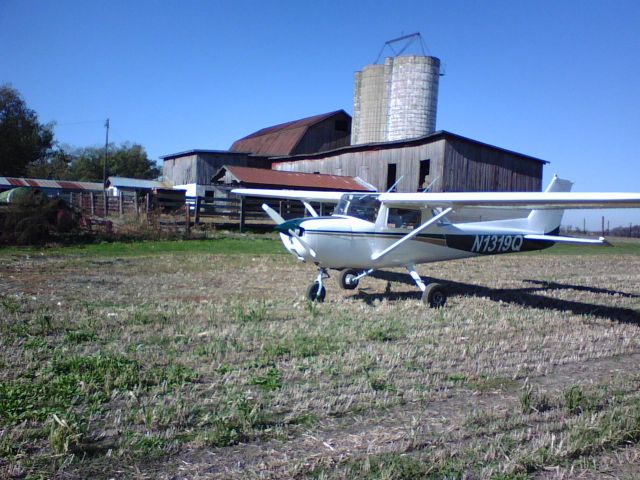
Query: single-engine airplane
372	231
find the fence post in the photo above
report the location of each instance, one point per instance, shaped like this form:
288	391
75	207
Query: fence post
148	202
188	220
106	204
135	203
92	203
120	206
196	219
242	213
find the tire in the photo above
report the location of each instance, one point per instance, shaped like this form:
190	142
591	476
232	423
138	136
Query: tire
315	294
346	279
435	295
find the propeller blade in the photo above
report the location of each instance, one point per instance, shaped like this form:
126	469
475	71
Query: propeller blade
304	244
277	219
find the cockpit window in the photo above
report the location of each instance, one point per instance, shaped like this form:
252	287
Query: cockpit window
363	206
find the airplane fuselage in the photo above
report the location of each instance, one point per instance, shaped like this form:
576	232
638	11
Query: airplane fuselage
343	241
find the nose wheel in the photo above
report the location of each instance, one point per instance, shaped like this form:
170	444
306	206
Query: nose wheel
316	291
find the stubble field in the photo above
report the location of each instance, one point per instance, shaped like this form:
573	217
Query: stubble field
205	361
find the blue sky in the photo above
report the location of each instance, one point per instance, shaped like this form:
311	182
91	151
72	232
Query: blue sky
559	80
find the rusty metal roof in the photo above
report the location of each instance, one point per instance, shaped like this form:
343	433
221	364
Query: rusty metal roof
13	182
279	139
315	181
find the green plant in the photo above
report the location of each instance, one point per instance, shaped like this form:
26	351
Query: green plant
272	380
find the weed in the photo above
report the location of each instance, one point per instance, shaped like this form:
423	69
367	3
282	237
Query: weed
386	332
63	435
45	321
80	336
10	305
250	314
532	401
272	380
36	343
146	317
301	345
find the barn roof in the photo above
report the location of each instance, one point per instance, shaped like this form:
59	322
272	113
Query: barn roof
125	182
274	178
432	137
12	182
279	139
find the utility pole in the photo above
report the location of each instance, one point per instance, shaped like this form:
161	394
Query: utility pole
106	154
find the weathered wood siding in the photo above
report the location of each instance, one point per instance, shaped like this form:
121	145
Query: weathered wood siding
456	165
180	170
371	164
200	167
472	167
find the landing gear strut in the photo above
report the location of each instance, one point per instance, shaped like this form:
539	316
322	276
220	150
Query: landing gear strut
433	294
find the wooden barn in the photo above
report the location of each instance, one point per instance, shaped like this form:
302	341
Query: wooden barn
442	160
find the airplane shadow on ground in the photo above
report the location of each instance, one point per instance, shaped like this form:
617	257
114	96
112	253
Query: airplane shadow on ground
530	297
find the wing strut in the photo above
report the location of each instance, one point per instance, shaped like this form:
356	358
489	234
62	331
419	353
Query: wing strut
410	235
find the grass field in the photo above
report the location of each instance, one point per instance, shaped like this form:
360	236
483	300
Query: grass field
202	360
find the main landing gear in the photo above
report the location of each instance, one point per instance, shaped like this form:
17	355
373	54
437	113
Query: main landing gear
433	294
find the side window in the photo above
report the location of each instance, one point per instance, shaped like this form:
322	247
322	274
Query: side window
403	218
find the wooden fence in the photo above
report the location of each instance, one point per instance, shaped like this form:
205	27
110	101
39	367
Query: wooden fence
241	212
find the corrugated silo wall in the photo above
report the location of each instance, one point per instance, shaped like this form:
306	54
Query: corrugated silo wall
370	105
413	96
372	165
470	167
397	100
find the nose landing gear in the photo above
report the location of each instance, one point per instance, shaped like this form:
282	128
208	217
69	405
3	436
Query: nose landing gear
316	291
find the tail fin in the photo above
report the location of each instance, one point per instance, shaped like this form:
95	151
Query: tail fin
548	221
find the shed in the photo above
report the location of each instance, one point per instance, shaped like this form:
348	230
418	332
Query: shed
132	186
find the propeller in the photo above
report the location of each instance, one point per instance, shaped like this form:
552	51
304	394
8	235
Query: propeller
279	221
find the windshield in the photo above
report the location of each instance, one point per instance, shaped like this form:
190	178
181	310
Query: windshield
364	206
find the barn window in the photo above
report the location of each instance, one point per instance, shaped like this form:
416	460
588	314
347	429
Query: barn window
342	125
391	175
425	169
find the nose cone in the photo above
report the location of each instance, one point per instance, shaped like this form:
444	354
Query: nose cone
290	225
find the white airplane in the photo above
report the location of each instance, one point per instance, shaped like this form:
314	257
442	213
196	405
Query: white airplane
372	231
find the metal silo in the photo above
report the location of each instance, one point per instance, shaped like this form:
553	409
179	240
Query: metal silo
413	96
370	105
397	100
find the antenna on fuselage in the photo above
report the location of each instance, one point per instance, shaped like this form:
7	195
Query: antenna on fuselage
395	184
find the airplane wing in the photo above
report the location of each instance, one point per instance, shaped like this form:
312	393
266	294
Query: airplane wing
523	200
302	195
